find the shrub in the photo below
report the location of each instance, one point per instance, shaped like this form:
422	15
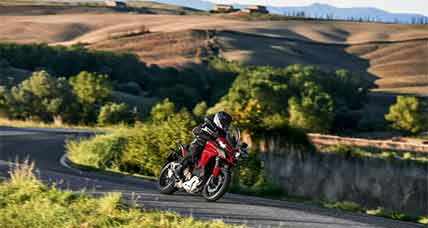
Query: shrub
101	151
200	110
141	149
250	170
250	178
150	144
113	113
91	88
407	114
311	113
163	110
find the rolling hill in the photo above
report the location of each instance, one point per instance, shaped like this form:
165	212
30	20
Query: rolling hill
393	56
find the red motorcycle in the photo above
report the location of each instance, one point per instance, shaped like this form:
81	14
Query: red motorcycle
212	174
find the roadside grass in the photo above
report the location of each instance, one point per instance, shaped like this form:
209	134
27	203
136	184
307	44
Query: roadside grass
38	124
423	220
379	212
26	202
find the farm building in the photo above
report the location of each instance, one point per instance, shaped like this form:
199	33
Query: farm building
116	4
222	8
255	9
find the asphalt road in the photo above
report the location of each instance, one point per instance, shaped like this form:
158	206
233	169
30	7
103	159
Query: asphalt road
46	148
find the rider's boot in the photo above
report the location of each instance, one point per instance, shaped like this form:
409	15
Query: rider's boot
178	172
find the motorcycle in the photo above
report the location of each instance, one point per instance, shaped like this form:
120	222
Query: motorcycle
212	174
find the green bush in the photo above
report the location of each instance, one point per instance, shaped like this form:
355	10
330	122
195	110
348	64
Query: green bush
313	112
141	149
81	99
200	110
113	113
91	88
101	151
250	178
150	144
162	111
250	170
408	114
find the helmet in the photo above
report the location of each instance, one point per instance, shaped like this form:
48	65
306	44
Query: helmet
222	120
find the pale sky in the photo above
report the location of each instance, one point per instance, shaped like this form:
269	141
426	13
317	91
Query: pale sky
396	6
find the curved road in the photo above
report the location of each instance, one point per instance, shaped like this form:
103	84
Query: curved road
46	148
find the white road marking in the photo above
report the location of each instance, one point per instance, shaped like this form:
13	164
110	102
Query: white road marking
63	162
16	133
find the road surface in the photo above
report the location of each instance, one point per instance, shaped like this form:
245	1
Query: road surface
46	148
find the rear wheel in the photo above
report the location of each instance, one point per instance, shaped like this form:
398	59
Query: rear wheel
215	187
167	180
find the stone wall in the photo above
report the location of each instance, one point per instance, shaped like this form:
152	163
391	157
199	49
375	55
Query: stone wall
397	185
329	140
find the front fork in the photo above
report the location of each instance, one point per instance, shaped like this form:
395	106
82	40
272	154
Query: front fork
218	166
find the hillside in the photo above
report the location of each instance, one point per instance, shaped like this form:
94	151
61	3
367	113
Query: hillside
394	56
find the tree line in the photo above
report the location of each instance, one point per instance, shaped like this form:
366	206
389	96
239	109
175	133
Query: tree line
422	20
185	87
76	85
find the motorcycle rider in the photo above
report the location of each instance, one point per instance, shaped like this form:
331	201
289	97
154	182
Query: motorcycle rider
214	126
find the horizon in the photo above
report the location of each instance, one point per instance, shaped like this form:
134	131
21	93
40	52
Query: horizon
393	6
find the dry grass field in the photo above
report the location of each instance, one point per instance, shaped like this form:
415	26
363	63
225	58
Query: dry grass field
394	56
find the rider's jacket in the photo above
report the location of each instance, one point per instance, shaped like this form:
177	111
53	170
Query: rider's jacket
207	131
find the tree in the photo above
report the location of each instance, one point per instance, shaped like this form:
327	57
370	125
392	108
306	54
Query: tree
114	113
92	90
313	111
200	110
41	96
407	114
162	111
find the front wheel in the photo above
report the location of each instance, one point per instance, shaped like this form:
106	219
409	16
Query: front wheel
215	187
167	180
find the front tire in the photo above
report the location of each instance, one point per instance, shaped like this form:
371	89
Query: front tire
216	187
167	180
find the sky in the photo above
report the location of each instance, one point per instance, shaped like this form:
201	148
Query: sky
396	6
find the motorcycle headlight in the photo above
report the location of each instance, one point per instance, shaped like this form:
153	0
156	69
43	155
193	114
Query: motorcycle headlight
237	155
222	144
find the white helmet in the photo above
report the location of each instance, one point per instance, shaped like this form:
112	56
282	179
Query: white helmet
222	120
